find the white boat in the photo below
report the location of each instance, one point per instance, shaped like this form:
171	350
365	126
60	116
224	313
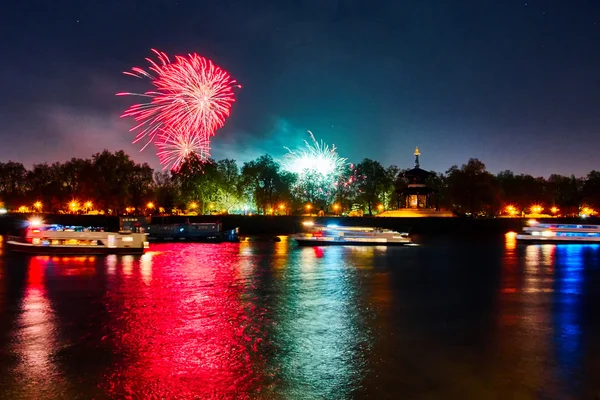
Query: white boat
559	233
350	236
44	239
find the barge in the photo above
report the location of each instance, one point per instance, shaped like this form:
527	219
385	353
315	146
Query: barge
192	232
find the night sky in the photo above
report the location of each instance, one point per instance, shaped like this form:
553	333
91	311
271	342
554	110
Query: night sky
513	83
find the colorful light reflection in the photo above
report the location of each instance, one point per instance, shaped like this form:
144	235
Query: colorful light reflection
187	331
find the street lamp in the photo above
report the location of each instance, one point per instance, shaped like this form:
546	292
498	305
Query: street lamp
88	205
511	210
73	206
308	207
537	209
380	207
554	210
193	205
587	211
336	208
37	205
150	205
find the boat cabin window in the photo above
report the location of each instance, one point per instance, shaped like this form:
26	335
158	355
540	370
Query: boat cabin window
61	228
567	226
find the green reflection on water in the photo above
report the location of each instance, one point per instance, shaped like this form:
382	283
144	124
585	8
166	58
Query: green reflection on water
320	332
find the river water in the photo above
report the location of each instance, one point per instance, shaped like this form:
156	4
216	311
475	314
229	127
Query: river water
449	319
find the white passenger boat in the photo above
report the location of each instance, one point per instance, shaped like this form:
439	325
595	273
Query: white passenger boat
559	233
44	239
350	236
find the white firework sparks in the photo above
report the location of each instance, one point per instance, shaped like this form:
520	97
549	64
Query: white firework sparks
317	157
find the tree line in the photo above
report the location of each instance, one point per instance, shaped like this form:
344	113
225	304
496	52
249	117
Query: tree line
113	183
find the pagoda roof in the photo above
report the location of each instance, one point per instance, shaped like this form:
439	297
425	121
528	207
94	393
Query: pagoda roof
418	172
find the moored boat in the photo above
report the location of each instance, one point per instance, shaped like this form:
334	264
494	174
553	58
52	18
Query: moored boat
537	232
192	232
350	236
42	239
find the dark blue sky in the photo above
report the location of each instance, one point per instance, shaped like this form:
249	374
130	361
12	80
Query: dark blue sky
514	83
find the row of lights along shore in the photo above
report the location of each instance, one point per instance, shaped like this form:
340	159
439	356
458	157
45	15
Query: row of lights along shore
75	206
513	211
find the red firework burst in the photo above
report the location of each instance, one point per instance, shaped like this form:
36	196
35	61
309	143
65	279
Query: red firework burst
191	95
174	146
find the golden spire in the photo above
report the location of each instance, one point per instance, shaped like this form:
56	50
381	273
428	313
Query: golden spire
417	154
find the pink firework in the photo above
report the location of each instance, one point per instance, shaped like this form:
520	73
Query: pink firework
191	94
174	146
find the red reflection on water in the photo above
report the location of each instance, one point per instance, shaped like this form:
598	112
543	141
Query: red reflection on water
318	252
510	279
35	337
68	265
181	326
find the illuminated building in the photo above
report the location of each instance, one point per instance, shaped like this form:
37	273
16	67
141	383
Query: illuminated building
417	195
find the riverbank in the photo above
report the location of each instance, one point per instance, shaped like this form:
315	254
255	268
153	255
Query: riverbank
282	225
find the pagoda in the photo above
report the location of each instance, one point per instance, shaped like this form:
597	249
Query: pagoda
416	199
417	194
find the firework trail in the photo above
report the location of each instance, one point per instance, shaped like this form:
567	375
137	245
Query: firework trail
317	157
192	96
174	146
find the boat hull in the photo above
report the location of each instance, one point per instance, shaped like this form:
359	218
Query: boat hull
308	242
196	237
556	240
27	248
